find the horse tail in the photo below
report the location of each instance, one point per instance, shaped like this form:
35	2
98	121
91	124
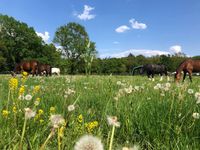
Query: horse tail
136	68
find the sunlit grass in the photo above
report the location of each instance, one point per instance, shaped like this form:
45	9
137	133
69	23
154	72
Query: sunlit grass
150	114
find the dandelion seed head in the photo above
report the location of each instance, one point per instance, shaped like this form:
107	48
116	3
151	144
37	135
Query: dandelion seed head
190	91
28	97
112	120
57	120
196	115
29	113
88	142
71	107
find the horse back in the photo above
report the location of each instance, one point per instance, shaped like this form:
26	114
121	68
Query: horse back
196	65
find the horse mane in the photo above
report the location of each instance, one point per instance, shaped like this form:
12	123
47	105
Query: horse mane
178	69
138	67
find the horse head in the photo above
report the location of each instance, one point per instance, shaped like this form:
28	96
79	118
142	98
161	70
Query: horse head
177	76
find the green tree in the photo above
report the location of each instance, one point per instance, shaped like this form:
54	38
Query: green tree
19	42
73	38
88	57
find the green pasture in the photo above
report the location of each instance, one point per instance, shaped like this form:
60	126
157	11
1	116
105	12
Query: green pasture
151	115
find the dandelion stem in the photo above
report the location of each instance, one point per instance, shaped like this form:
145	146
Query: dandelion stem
44	144
112	137
23	132
59	142
8	99
76	100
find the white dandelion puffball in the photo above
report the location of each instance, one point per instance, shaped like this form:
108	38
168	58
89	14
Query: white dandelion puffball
195	115
71	107
197	95
88	142
135	147
57	120
28	97
21	97
112	120
190	91
29	113
119	82
125	148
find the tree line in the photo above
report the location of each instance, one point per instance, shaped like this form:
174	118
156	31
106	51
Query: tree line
77	55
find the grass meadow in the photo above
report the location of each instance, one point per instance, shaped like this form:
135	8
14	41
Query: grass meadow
54	112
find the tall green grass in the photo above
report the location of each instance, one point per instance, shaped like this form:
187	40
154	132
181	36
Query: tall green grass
150	118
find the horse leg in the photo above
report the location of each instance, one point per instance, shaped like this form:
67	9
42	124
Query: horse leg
153	77
149	77
184	75
190	75
33	72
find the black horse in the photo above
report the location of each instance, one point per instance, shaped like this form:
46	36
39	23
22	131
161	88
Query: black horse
151	70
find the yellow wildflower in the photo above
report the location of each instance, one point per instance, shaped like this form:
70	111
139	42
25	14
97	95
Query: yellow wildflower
24	74
91	125
52	110
80	118
38	99
5	113
21	90
14	109
36	89
13	83
41	121
61	131
40	112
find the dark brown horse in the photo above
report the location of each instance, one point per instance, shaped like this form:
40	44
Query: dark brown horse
44	69
30	66
188	66
152	69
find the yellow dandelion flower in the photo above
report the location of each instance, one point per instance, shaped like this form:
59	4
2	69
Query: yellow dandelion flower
80	118
5	113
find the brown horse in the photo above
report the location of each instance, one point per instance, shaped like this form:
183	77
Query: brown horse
30	66
187	66
44	68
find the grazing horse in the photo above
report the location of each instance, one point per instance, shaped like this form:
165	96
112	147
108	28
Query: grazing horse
30	66
137	68
55	71
152	69
44	68
187	66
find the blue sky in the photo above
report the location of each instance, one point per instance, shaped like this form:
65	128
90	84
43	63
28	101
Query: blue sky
118	27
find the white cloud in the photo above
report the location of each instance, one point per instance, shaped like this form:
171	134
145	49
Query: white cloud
136	25
44	36
122	29
144	52
176	49
86	13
